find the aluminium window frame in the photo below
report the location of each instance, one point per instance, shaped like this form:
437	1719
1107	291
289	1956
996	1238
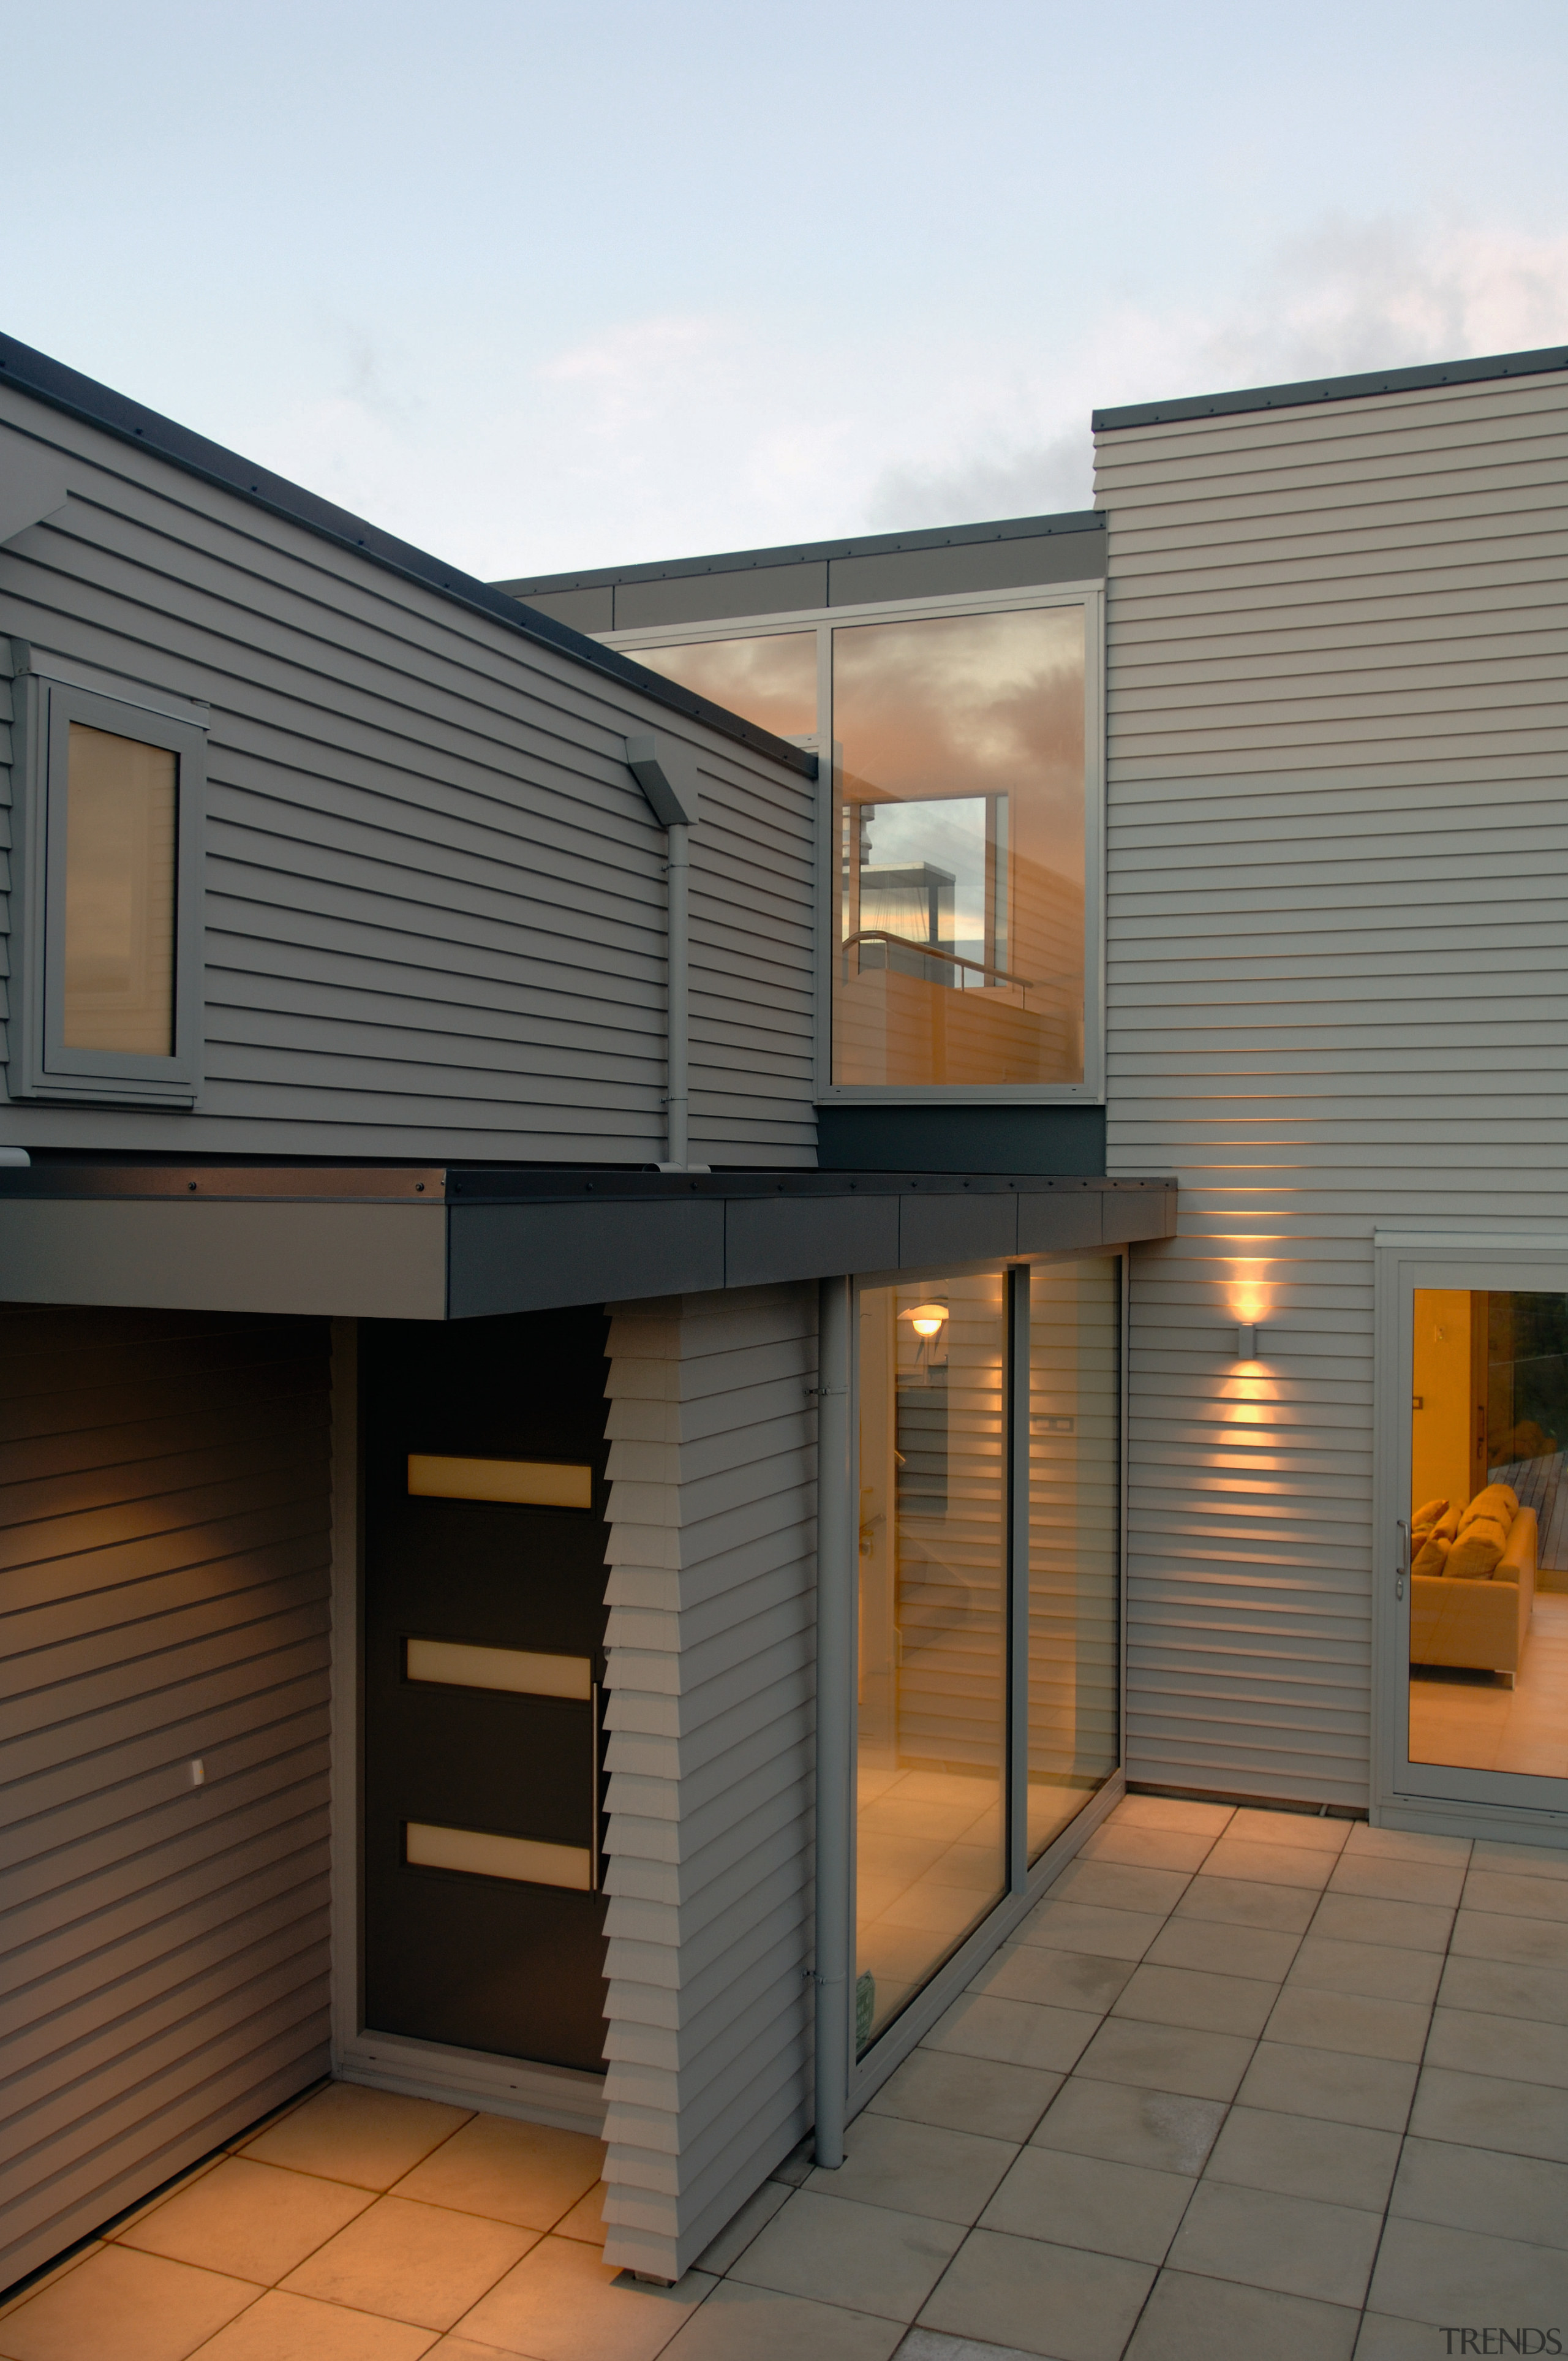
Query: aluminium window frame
42	1067
823	620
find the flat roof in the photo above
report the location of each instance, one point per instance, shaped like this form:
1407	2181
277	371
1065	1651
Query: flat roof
806	553
33	373
1331	389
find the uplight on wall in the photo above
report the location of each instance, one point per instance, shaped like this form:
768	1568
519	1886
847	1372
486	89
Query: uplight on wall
1249	1341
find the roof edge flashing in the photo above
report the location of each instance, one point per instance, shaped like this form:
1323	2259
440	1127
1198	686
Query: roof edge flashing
1426	375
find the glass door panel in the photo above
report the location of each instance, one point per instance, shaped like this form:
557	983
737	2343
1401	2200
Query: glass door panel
1075	1493
1487	1679
933	1622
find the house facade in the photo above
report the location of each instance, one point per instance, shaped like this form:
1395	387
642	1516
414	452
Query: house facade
691	1252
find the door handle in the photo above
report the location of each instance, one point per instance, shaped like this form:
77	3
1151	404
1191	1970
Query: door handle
595	1864
1403	1567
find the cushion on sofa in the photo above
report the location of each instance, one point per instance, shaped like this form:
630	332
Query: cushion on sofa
1447	1524
1428	1512
1475	1554
1498	1500
1432	1557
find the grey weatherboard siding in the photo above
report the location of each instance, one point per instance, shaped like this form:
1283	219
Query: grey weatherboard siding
165	1594
434	893
1338	849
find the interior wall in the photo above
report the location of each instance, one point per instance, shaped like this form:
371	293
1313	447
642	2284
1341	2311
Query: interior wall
711	1591
164	1536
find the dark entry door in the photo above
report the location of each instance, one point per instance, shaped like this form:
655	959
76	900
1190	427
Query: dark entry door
484	1632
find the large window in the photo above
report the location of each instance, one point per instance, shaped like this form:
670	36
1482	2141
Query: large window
989	1487
110	977
960	833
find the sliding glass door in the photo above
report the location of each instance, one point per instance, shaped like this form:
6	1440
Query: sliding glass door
990	1488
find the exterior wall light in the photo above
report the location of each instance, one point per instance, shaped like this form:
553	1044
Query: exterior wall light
1249	1341
926	1319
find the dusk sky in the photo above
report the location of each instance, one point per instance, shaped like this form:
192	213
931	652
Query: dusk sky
540	287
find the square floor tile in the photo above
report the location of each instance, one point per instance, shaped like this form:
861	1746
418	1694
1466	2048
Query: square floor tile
967	2094
1515	1897
1016	2031
1288	2080
1490	2111
1303	1831
1377	1971
1039	2298
529	2174
1114	1885
1404	1926
1350	2022
738	2232
1158	2128
562	2302
1515	2047
1197	1997
1302	2156
748	2324
1146	1848
1445	2276
1475	2189
864	2257
1172	1812
1519	1860
348	2132
1085	1927
419	2263
1269	1864
1489	1935
1236	1902
1506	1988
1261	1952
252	2221
586	2218
295	2328
1407	1842
1391	1877
129	2306
1059	1978
1089	2201
1167	2058
1294	2245
916	2168
1191	2319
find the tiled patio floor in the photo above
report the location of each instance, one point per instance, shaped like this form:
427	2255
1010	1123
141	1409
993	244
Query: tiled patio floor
1202	2107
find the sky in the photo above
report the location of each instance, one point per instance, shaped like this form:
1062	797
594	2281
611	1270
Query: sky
542	287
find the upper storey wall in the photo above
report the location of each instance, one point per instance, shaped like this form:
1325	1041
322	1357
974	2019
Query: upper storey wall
1338	854
434	895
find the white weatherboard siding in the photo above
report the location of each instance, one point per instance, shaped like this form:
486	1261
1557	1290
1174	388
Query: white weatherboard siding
436	896
164	1596
1338	813
711	1625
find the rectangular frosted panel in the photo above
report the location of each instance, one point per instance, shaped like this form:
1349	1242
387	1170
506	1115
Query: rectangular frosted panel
529	1483
1074	1495
1488	1677
959	847
456	1665
121	807
523	1859
932	1633
772	680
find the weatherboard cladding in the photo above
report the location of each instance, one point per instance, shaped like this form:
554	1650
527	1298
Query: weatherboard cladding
434	892
163	1947
1338	821
710	1640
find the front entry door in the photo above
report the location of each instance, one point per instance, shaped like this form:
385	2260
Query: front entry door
1472	1589
484	1619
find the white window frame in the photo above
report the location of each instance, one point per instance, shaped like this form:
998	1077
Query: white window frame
1091	596
41	1065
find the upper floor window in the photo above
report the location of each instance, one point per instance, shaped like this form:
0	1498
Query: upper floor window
111	980
961	833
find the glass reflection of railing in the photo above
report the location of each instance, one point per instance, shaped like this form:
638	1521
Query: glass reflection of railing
932	950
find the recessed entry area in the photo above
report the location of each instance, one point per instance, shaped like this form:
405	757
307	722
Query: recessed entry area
524	1483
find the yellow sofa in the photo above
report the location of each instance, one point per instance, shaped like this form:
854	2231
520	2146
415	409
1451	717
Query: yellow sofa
1478	1626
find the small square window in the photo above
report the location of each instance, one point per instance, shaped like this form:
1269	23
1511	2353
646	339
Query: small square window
110	981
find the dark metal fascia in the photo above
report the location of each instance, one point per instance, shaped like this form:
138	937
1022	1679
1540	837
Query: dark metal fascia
452	1184
33	373
1333	389
811	552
